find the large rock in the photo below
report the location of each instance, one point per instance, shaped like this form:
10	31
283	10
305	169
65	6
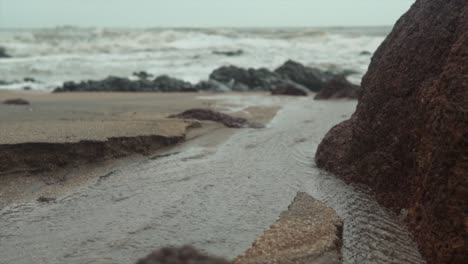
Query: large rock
309	232
311	78
408	137
240	79
165	83
338	87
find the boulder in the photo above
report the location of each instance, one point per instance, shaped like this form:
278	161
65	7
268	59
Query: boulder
245	79
165	83
408	137
289	88
16	101
336	88
311	78
308	232
210	115
229	53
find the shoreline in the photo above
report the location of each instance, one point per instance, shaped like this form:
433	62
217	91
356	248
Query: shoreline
52	145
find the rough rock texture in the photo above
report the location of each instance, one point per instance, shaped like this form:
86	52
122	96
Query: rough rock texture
182	255
16	101
311	78
408	138
210	115
288	88
250	79
309	232
338	87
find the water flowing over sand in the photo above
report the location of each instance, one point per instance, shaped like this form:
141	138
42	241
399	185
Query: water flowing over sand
55	55
218	199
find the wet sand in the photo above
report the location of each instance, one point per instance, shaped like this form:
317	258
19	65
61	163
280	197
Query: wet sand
81	135
218	197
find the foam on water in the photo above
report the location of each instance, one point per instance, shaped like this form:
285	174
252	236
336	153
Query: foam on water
67	53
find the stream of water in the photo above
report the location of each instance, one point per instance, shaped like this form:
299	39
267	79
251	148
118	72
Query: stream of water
217	199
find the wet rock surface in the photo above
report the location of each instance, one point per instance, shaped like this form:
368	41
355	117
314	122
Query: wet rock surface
211	115
308	232
311	78
16	101
336	88
252	79
407	138
162	83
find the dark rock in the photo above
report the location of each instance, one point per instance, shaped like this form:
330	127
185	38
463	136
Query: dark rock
365	53
211	86
45	199
229	53
210	115
311	78
336	88
143	75
241	79
110	84
408	137
16	101
27	88
182	255
289	88
3	53
165	83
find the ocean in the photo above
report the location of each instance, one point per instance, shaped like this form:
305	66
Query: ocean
54	55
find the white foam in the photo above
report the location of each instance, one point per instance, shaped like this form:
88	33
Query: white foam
62	54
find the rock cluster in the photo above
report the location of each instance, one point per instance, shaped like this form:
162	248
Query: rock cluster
408	137
291	78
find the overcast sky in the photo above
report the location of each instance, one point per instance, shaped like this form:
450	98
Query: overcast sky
200	13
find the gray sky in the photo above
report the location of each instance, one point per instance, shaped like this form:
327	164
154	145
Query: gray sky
200	13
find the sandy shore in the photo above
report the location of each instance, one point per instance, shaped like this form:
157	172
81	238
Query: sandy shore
65	139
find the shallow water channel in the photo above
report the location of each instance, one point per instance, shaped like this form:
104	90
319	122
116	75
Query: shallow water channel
217	199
